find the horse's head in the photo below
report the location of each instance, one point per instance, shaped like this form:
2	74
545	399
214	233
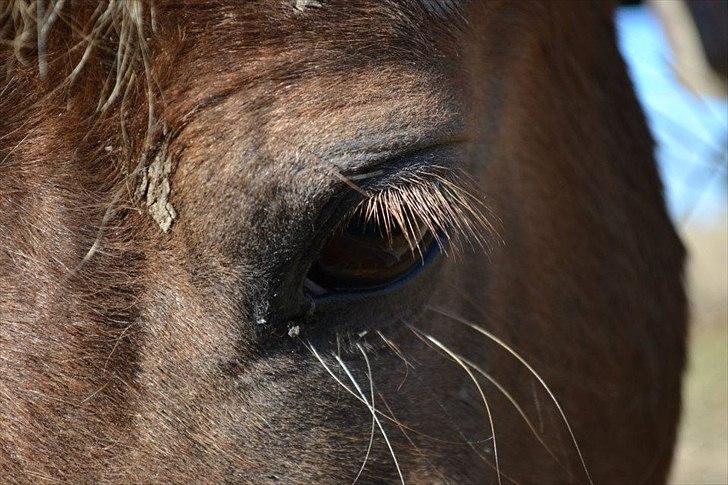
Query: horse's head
329	241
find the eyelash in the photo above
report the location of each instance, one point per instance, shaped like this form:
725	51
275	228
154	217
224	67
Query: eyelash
437	198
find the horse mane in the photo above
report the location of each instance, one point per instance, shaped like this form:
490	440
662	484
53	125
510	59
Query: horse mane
56	43
117	26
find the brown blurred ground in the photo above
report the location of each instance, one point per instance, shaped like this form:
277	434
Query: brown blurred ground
702	453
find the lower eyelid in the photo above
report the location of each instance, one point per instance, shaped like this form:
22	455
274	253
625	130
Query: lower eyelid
321	294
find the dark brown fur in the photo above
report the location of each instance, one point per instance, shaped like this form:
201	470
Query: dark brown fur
164	357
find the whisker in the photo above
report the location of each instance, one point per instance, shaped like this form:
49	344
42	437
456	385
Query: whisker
466	441
371	433
471	443
459	361
395	348
373	410
331	373
515	404
407	437
363	401
399	354
528	366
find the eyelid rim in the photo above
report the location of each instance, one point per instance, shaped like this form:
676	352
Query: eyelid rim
387	170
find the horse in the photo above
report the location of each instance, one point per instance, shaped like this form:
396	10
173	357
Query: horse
333	241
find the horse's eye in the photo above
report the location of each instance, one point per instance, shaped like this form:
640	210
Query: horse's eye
363	255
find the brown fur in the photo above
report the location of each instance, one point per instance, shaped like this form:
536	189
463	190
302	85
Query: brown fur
128	354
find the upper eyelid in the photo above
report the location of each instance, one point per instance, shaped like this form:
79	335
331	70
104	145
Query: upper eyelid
366	175
401	173
435	195
439	153
349	199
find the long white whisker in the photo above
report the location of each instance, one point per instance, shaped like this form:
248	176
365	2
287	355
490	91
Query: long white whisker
399	354
331	373
364	401
395	348
462	364
373	410
371	432
515	404
532	371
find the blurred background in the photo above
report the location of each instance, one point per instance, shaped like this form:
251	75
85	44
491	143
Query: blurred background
684	98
